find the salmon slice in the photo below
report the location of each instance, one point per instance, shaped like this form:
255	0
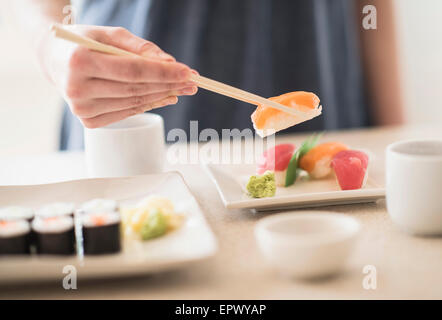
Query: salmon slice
267	120
317	161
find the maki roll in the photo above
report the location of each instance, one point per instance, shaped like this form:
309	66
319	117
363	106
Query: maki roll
57	209
54	235
99	205
14	237
101	233
16	213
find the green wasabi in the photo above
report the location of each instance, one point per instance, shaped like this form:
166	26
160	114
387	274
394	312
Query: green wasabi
262	186
154	226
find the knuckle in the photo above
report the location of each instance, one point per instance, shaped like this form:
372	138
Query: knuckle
134	72
102	33
155	104
163	73
137	101
86	123
78	109
119	31
78	58
133	89
90	124
136	110
95	32
146	46
73	91
162	103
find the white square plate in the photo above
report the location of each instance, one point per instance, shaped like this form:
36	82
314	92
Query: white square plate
230	180
192	242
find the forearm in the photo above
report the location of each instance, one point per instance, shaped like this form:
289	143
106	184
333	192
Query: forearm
380	60
34	18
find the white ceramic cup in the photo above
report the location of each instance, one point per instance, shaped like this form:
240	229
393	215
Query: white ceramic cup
129	147
414	186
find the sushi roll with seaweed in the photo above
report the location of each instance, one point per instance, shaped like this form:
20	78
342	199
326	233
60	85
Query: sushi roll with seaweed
318	159
14	237
16	213
99	205
276	159
54	235
56	209
101	233
351	169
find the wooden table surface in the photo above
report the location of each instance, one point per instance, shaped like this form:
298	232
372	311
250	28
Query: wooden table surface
407	267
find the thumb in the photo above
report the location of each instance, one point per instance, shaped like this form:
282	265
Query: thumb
126	40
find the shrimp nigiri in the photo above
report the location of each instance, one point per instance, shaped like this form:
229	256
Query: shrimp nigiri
267	120
317	161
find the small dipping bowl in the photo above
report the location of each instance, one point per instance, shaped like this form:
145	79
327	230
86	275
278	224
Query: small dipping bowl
307	245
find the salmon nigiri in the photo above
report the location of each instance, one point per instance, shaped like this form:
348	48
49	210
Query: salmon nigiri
317	161
267	120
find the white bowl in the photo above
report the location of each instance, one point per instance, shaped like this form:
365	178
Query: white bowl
307	245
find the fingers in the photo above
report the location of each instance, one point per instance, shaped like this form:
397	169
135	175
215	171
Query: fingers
99	88
127	69
122	38
108	118
95	107
102	89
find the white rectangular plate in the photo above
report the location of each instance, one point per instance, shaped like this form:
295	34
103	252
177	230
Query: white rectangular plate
192	242
230	180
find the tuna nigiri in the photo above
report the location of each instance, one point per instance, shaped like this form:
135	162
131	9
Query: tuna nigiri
317	161
351	169
276	159
267	120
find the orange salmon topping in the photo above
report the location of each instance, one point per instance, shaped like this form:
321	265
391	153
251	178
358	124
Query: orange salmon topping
98	220
302	99
328	149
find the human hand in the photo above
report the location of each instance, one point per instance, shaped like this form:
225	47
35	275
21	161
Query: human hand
101	89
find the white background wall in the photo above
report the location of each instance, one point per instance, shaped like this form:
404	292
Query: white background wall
420	35
30	107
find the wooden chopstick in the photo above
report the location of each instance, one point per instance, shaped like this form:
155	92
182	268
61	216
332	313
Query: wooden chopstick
200	81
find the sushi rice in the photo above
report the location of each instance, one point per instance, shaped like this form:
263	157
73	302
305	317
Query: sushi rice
52	224
16	213
99	205
14	228
56	209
